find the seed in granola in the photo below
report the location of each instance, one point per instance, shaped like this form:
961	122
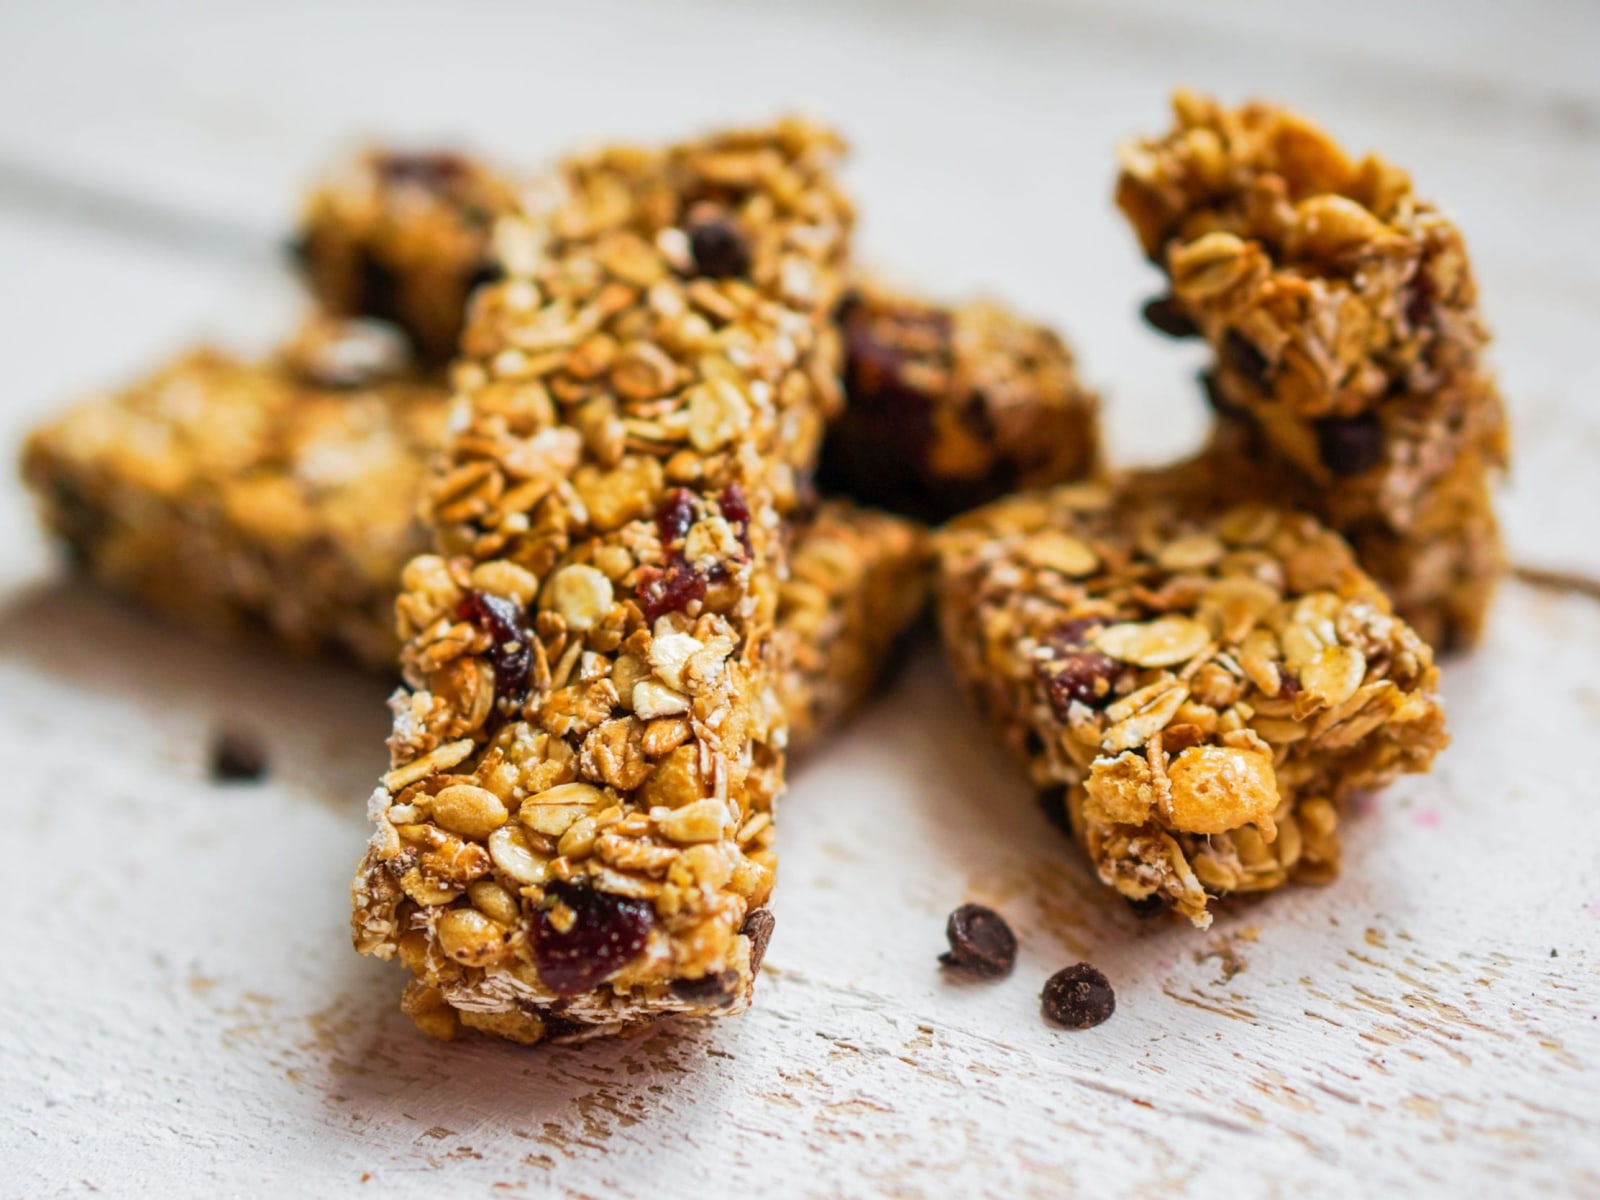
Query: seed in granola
237	756
511	649
758	926
1165	315
605	934
1078	997
1241	355
1350	445
980	942
719	249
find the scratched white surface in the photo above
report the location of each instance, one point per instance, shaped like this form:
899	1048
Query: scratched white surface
183	1014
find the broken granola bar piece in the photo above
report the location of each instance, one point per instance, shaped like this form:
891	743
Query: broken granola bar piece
950	407
1343	316
236	496
857	584
1201	689
577	826
403	237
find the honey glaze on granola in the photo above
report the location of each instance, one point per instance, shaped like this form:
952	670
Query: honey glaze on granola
577	831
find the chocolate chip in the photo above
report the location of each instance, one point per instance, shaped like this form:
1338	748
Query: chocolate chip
717	990
719	249
237	756
980	942
1165	315
758	926
1078	997
1241	355
1349	445
1053	803
1149	906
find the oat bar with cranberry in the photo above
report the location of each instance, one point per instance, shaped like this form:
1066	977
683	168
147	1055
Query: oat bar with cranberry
1196	691
237	496
949	407
575	838
403	237
1341	309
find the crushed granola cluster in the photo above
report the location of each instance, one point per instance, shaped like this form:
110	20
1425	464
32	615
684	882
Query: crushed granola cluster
1200	690
952	406
1343	314
577	830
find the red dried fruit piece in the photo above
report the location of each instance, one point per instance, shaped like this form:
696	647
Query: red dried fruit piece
607	933
671	590
675	516
1081	675
736	510
511	649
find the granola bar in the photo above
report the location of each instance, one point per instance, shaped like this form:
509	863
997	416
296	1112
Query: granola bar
1196	690
576	837
236	496
1343	315
405	238
953	406
282	496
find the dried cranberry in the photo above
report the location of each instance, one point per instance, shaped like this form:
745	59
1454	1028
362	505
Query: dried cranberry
758	926
1241	355
719	249
1165	315
736	509
607	933
674	516
1078	997
1081	675
669	590
1419	306
1288	684
1074	632
1349	445
980	942
511	645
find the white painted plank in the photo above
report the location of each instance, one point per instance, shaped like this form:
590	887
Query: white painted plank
186	1017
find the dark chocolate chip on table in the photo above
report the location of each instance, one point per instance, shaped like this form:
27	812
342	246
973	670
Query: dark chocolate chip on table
237	756
1078	997
980	942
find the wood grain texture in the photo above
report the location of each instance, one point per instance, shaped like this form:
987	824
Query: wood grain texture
186	1017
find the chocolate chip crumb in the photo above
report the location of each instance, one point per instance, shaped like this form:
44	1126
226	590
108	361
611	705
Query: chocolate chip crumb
980	942
1165	315
1078	997
719	249
1350	445
1149	906
237	756
758	926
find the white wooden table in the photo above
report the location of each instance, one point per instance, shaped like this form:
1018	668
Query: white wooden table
184	1016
